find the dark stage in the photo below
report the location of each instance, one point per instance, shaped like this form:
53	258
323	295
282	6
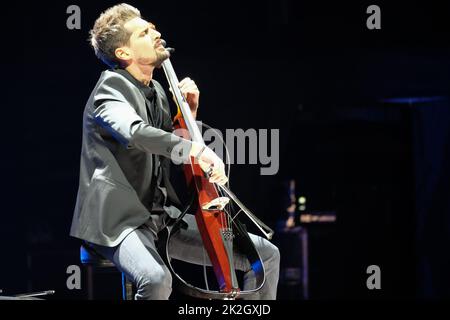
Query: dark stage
364	131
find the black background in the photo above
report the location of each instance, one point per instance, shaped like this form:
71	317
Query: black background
309	68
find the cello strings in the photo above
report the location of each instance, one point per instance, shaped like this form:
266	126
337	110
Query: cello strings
169	71
227	153
228	163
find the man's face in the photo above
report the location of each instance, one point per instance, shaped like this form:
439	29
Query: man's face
144	46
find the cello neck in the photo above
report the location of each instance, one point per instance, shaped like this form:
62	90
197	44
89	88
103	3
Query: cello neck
183	106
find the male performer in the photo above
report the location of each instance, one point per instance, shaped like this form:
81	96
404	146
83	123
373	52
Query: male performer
125	197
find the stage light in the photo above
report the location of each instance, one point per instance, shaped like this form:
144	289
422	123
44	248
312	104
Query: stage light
301	200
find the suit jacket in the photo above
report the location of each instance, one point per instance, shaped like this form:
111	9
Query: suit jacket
117	160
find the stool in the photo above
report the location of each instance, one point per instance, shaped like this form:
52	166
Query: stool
91	260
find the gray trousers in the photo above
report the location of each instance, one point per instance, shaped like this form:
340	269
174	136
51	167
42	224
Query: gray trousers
137	257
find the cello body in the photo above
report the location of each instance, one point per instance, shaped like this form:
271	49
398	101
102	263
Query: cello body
222	234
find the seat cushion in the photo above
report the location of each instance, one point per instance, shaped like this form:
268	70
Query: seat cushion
90	257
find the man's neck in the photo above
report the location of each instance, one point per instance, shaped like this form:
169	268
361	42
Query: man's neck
142	73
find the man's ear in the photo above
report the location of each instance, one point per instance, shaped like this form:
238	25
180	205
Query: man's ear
123	54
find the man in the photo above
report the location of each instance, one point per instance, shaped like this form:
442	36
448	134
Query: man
125	197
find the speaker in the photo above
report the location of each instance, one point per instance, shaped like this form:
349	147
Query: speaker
293	246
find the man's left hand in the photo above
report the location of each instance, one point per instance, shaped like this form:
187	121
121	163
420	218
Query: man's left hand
190	92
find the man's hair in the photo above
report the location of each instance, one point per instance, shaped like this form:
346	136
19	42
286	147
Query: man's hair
109	32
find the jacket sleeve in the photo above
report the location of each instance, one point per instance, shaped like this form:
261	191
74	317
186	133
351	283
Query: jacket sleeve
114	113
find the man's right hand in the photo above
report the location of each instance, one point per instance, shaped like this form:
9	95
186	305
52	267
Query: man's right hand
209	162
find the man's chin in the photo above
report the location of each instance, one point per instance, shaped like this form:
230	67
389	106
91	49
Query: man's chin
161	56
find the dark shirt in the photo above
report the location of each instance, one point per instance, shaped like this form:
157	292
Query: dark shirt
155	117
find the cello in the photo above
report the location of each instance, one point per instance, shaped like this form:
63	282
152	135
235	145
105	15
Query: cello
214	206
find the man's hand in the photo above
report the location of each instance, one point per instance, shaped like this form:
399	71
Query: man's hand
191	93
208	160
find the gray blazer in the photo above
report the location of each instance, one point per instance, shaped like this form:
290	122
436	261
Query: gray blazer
116	160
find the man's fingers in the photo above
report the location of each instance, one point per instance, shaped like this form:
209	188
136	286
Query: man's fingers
189	88
184	82
221	181
188	84
219	178
218	181
217	174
